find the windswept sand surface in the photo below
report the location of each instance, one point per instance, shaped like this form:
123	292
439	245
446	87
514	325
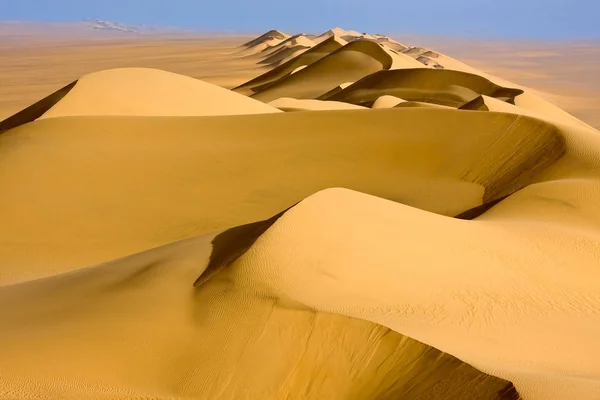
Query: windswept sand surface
358	218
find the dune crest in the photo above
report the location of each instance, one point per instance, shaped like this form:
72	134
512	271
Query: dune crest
290	104
358	58
267	36
307	58
147	92
444	87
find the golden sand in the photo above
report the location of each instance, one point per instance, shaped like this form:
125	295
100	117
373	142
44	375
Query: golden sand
366	219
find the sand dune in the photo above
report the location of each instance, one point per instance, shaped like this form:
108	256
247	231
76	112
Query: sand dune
429	62
283	55
296	40
166	238
381	362
387	101
261	47
392	44
287	50
335	32
139	91
415	51
421	104
268	36
350	63
36	110
309	57
438	86
401	61
290	104
160	165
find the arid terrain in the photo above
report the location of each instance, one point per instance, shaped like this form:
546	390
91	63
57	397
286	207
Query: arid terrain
337	215
34	65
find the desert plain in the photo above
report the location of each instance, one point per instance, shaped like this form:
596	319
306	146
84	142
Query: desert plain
336	215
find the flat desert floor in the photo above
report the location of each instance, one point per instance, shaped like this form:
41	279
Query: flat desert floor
338	216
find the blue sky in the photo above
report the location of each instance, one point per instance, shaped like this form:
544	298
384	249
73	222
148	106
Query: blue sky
539	19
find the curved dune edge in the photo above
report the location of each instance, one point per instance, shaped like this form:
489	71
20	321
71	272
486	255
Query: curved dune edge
283	55
188	323
420	104
310	56
36	110
158	162
289	104
438	86
349	63
262	48
272	34
386	101
381	283
233	243
292	41
150	92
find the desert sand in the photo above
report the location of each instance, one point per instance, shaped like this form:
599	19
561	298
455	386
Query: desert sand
358	218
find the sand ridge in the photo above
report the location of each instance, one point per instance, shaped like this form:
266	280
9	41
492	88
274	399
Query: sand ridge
148	92
309	57
440	245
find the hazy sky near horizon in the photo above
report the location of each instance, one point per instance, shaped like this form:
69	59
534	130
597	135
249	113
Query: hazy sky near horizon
539	19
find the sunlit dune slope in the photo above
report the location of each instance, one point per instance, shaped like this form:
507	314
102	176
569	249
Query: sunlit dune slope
310	56
157	180
284	54
290	104
335	32
166	238
439	86
373	259
141	91
272	34
293	41
420	104
175	340
527	101
386	101
391	43
348	64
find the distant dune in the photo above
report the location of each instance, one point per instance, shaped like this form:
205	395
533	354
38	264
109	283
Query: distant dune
364	220
421	84
347	64
269	36
309	57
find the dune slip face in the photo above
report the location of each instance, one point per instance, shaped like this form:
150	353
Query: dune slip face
363	219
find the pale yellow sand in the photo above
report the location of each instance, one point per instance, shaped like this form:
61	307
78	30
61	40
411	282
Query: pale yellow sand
261	47
287	50
387	101
141	91
401	60
514	292
352	62
289	104
270	161
335	32
308	57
